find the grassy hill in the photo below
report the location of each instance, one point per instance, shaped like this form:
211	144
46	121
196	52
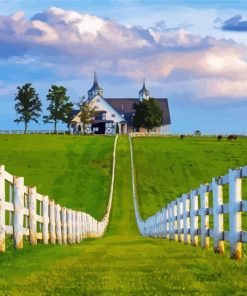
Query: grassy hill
168	167
122	262
75	171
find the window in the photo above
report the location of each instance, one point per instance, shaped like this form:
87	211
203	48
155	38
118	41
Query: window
113	115
98	100
100	116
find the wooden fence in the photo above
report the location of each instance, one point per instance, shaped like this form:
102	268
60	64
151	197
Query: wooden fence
25	212
157	134
190	217
149	134
21	132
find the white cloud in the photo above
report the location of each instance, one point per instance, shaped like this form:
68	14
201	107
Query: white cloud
74	44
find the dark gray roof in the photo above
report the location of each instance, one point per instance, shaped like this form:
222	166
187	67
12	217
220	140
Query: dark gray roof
125	106
75	112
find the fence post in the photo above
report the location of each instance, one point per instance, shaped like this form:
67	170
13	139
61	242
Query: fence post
58	224
153	226
163	222
167	222
18	211
204	194
174	220
52	222
179	219
45	220
69	221
160	223
194	218
32	216
86	225
78	227
186	218
83	225
2	209
64	225
156	225
235	216
73	227
217	217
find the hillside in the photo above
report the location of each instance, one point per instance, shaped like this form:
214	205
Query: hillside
122	262
168	167
75	171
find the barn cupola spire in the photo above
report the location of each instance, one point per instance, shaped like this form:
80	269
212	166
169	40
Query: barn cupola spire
144	93
95	89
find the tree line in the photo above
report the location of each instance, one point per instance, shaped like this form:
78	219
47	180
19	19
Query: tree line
28	106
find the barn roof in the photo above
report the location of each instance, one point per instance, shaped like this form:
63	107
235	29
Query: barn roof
125	106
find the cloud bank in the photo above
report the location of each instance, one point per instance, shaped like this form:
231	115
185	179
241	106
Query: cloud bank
70	45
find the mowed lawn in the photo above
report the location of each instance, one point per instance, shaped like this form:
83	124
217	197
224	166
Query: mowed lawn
122	262
74	171
168	167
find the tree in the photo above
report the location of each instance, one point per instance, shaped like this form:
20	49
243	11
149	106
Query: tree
28	105
87	112
68	114
147	114
60	107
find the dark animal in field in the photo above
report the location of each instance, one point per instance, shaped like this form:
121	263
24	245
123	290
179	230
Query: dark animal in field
219	138
232	137
182	136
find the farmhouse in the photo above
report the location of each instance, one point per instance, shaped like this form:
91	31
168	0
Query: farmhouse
113	113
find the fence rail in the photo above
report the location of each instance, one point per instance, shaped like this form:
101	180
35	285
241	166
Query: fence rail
157	134
25	212
179	220
21	132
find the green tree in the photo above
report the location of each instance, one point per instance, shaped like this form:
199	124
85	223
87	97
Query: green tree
68	114
60	107
28	105
147	114
87	112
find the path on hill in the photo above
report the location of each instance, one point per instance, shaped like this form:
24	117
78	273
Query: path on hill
123	218
122	262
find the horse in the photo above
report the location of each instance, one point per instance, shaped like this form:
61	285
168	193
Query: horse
219	138
182	136
232	137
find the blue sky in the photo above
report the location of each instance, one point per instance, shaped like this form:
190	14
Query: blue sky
193	52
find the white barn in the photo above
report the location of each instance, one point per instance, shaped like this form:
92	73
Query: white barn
113	112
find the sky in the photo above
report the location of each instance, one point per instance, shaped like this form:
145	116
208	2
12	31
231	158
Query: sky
192	52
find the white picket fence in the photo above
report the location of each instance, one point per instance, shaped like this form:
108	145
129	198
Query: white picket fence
21	132
149	134
25	212
179	220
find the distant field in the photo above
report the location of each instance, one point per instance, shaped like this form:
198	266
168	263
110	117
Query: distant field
167	167
75	171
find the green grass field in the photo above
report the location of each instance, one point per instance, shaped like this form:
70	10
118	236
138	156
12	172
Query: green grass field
75	171
122	262
168	167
